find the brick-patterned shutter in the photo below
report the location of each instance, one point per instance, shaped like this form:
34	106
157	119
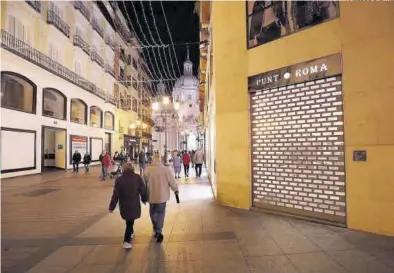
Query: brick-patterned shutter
298	163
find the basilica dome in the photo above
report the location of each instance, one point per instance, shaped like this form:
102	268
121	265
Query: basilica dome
187	81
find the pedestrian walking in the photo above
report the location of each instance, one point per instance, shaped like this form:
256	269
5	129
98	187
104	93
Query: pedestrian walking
199	157
106	163
76	160
87	159
159	181
142	162
177	162
129	189
186	162
193	158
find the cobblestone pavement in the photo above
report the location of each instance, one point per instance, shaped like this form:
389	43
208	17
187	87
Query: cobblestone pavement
58	222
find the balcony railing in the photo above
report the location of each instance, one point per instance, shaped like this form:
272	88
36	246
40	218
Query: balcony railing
79	42
126	36
109	69
96	58
109	42
23	50
35	5
96	26
79	5
55	20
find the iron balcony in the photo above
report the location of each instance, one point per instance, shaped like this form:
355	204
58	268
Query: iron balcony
79	5
55	20
79	42
25	51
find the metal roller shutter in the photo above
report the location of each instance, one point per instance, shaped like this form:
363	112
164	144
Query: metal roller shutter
298	163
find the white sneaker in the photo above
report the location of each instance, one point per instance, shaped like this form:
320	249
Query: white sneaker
127	245
132	236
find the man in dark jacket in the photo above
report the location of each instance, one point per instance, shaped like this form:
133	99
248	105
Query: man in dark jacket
87	159
76	160
128	190
142	161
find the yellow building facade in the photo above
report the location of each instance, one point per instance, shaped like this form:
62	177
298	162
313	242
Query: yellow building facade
362	36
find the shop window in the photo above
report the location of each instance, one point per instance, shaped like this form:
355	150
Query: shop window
96	117
54	104
109	121
18	92
78	111
271	20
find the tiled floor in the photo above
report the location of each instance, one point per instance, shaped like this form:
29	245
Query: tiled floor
70	230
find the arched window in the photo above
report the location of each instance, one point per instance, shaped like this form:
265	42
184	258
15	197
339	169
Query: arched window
54	103
79	111
96	117
109	121
18	92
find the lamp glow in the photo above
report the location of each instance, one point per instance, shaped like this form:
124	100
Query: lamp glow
132	126
138	122
176	105
144	125
155	106
166	100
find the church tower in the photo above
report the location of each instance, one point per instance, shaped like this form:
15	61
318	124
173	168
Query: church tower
188	65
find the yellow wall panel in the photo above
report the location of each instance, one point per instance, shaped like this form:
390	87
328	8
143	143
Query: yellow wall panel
370	190
363	35
232	123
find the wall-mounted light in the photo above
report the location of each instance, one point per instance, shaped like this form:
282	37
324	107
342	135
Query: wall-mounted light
203	44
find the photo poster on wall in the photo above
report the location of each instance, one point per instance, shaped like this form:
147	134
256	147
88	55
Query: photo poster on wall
80	144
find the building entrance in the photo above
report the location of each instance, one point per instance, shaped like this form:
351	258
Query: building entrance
54	155
298	162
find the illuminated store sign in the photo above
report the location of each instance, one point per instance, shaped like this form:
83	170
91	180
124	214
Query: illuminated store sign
311	70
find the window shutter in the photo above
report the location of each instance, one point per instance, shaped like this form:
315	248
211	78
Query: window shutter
78	68
11	25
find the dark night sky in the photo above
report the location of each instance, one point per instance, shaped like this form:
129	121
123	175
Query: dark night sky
183	24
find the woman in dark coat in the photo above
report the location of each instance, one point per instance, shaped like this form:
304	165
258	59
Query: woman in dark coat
128	190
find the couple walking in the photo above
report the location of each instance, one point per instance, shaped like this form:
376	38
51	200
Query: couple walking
130	190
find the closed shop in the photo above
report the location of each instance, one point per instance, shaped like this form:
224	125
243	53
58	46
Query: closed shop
297	140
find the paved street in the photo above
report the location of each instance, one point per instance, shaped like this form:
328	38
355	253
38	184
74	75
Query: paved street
59	222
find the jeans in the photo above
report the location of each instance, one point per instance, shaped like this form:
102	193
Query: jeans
157	213
75	166
142	168
104	171
129	230
186	167
198	169
87	168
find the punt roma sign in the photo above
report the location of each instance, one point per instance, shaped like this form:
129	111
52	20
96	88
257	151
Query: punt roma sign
307	71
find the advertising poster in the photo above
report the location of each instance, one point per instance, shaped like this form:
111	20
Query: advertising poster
79	143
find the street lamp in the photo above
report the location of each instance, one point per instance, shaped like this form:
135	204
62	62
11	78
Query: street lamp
166	100
165	109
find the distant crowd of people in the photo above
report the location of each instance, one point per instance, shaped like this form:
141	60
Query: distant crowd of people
184	158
